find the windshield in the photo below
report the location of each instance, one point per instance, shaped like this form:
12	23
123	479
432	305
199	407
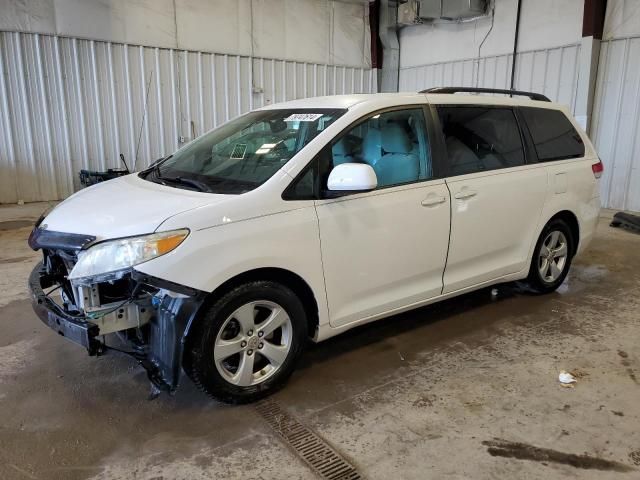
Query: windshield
242	154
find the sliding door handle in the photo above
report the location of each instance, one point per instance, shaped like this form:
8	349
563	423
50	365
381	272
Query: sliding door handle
464	194
432	200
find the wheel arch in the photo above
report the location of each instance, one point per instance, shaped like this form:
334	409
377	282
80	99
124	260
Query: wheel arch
283	276
571	220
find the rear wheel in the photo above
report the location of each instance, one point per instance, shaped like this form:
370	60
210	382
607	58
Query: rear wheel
552	257
246	344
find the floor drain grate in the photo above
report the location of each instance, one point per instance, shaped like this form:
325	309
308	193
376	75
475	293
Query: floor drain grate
313	449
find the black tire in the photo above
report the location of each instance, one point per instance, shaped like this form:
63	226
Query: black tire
535	281
199	353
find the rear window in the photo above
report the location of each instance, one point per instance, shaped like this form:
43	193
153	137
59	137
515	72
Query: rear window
553	134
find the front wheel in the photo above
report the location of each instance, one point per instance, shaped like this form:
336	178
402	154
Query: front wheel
552	257
246	344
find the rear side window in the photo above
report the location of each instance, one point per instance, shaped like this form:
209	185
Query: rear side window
553	134
480	138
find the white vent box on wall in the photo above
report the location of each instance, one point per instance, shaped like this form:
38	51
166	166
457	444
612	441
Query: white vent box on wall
451	9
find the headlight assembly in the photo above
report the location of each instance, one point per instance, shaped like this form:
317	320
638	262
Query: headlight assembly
121	254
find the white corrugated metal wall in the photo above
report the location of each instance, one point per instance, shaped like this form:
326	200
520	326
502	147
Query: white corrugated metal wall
552	71
616	122
68	104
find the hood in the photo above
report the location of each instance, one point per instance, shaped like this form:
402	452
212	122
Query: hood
124	207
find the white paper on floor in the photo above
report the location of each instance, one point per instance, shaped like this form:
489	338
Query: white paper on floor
566	378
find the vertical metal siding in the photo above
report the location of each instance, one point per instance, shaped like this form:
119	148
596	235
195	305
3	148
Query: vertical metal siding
551	71
67	104
616	116
616	122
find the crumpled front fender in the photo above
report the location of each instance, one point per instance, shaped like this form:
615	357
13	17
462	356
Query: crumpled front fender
177	308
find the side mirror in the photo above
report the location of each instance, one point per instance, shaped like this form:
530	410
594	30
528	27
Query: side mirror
352	177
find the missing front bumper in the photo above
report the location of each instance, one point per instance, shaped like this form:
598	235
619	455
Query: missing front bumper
78	330
174	309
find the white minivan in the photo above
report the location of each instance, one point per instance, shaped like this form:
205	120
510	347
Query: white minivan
307	218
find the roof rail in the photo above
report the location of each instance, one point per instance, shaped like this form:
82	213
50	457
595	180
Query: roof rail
531	95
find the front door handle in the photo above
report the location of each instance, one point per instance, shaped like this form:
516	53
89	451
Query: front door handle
432	200
464	194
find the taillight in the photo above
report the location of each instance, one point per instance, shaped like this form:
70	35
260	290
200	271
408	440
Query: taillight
597	169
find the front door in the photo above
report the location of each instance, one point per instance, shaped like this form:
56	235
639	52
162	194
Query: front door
385	249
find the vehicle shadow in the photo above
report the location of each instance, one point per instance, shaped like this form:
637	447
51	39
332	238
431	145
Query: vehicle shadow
418	325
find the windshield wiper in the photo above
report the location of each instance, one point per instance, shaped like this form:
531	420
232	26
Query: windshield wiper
200	186
155	167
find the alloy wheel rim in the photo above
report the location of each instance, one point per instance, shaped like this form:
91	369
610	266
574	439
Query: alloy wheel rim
553	255
253	343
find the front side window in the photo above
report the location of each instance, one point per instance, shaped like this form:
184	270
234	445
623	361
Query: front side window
553	134
480	138
394	144
242	154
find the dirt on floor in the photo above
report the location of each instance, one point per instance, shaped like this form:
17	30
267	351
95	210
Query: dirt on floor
463	389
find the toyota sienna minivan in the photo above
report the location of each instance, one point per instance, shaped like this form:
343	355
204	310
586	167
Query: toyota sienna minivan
305	219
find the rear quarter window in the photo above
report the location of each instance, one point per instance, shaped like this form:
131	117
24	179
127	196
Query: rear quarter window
553	135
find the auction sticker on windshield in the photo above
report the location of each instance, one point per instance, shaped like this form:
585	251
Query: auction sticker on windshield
303	117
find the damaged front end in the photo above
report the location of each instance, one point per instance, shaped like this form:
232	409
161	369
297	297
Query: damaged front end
144	316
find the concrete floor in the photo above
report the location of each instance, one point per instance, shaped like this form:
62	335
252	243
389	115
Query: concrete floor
463	389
